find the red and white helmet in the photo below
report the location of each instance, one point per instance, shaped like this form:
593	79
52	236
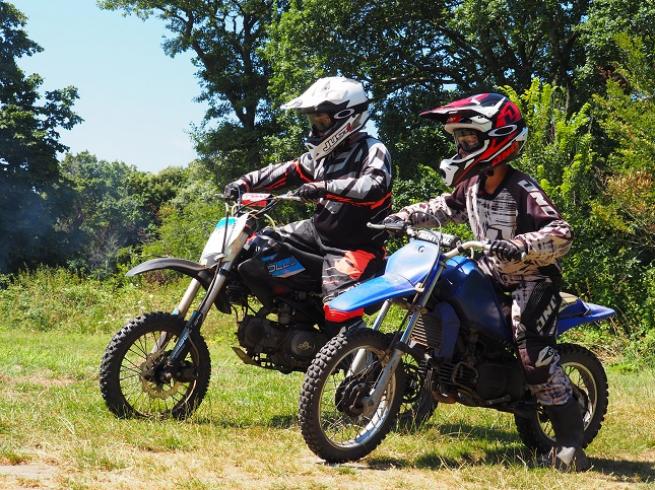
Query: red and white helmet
498	125
336	108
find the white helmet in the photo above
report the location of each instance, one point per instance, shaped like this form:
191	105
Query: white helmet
336	107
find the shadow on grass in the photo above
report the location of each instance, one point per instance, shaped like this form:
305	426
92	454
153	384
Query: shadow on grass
620	470
275	422
466	431
640	471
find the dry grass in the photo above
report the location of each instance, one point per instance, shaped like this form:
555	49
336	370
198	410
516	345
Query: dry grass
56	433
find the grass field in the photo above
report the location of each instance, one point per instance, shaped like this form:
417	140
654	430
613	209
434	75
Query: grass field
56	432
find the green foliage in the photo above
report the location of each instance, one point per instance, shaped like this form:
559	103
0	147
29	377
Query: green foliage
186	222
606	196
31	196
113	208
226	38
57	299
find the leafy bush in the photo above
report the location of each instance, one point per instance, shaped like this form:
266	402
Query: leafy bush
57	299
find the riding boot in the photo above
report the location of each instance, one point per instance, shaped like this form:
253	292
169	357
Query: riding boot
567	454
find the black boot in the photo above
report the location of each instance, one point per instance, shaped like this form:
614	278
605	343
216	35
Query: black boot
567	454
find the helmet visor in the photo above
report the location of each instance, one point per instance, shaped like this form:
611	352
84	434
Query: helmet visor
320	121
468	140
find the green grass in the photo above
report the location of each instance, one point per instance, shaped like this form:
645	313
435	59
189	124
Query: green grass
55	431
245	434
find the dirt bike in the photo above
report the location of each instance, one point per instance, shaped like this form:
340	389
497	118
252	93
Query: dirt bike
456	324
158	364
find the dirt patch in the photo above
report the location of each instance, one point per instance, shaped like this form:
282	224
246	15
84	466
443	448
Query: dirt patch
44	379
29	475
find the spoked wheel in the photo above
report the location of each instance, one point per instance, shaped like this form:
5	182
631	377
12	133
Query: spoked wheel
589	384
135	379
418	404
336	422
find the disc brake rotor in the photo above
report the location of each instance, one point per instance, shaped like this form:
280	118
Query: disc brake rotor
154	389
351	391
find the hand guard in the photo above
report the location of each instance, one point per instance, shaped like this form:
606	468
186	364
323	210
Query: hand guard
507	250
311	192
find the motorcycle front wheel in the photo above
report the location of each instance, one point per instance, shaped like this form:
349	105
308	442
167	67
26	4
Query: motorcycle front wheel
335	423
135	380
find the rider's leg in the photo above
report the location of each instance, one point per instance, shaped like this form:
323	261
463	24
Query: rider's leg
535	307
342	269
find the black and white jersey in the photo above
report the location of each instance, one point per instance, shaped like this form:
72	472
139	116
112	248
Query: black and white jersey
358	181
518	209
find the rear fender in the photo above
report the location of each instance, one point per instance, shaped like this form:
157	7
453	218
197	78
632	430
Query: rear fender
194	270
590	314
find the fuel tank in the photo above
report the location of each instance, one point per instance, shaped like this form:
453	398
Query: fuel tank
473	297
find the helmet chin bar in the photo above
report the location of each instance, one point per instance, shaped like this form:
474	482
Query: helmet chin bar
322	149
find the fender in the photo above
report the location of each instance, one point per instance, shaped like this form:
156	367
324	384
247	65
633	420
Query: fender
192	269
584	313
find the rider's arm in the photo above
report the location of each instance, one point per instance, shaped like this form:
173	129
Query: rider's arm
279	175
440	210
373	185
552	236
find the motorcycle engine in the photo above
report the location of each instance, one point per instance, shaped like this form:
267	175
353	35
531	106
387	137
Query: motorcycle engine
497	379
286	348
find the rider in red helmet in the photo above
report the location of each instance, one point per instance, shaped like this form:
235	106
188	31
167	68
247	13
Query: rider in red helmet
528	236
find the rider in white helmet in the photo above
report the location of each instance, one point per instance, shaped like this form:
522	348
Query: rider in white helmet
348	173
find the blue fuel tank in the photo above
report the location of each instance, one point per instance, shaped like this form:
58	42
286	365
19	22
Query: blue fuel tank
473	297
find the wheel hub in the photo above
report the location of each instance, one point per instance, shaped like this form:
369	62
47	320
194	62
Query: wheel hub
350	394
157	380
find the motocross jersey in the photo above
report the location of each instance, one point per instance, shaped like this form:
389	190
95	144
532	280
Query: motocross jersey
518	210
358	183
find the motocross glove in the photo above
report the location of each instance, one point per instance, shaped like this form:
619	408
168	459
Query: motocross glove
233	190
507	250
394	223
311	192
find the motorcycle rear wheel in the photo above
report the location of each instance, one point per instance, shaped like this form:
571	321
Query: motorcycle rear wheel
126	371
590	390
333	422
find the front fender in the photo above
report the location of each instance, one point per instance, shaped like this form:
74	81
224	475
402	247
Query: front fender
186	267
192	269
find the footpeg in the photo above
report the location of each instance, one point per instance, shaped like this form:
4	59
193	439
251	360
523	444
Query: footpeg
244	356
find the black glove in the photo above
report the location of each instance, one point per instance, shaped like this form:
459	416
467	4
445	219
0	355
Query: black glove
393	222
233	190
507	250
311	192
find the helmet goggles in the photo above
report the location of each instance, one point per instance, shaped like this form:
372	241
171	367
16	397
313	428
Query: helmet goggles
468	140
320	121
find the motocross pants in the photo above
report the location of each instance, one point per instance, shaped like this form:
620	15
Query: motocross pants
535	307
342	268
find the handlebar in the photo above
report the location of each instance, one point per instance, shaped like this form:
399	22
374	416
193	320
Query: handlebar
443	239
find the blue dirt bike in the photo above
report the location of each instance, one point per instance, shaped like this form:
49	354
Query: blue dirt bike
456	324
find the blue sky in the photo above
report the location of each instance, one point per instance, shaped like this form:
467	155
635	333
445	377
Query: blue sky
137	103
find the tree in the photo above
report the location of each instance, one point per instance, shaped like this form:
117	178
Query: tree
30	191
226	37
114	208
415	55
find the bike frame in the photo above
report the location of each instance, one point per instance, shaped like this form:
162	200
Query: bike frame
219	255
424	291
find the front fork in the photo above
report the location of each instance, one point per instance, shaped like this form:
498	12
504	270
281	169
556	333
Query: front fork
375	396
197	317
